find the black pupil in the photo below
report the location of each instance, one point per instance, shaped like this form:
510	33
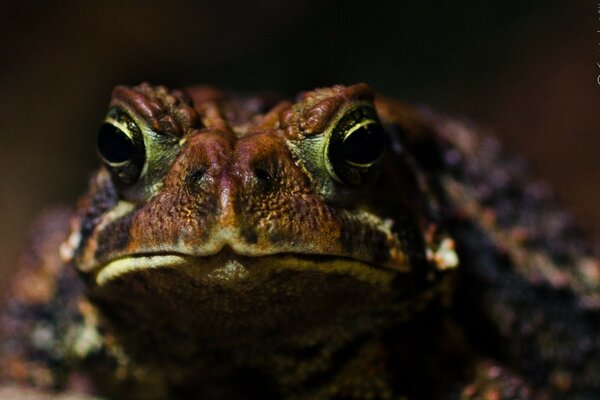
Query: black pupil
114	145
364	145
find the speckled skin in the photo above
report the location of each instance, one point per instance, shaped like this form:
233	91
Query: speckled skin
244	261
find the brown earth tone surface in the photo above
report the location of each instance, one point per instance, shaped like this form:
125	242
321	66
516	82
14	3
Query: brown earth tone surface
527	72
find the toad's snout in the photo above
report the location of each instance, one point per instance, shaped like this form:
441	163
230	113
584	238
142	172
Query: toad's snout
237	178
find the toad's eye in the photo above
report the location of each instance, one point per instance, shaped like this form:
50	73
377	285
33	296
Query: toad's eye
114	146
121	147
356	144
363	144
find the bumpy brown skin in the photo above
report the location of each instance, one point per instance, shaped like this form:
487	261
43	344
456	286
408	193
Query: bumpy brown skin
237	266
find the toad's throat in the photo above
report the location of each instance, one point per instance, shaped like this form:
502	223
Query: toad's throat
227	268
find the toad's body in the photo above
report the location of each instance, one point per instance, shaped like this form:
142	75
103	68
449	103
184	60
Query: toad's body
235	247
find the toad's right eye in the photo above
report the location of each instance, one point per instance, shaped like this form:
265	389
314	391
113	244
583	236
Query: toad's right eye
121	147
356	144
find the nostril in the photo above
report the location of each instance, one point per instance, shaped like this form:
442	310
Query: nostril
195	179
262	174
263	178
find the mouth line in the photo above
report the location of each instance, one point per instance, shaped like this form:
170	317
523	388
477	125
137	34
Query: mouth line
137	262
147	261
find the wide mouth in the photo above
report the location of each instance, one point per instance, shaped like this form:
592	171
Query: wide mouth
229	300
133	263
227	267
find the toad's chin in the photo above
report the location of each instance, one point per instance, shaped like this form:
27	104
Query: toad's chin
213	299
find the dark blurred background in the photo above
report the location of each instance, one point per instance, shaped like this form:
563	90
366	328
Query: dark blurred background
525	70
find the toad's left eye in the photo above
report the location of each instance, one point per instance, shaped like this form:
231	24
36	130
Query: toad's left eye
114	145
356	144
121	147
